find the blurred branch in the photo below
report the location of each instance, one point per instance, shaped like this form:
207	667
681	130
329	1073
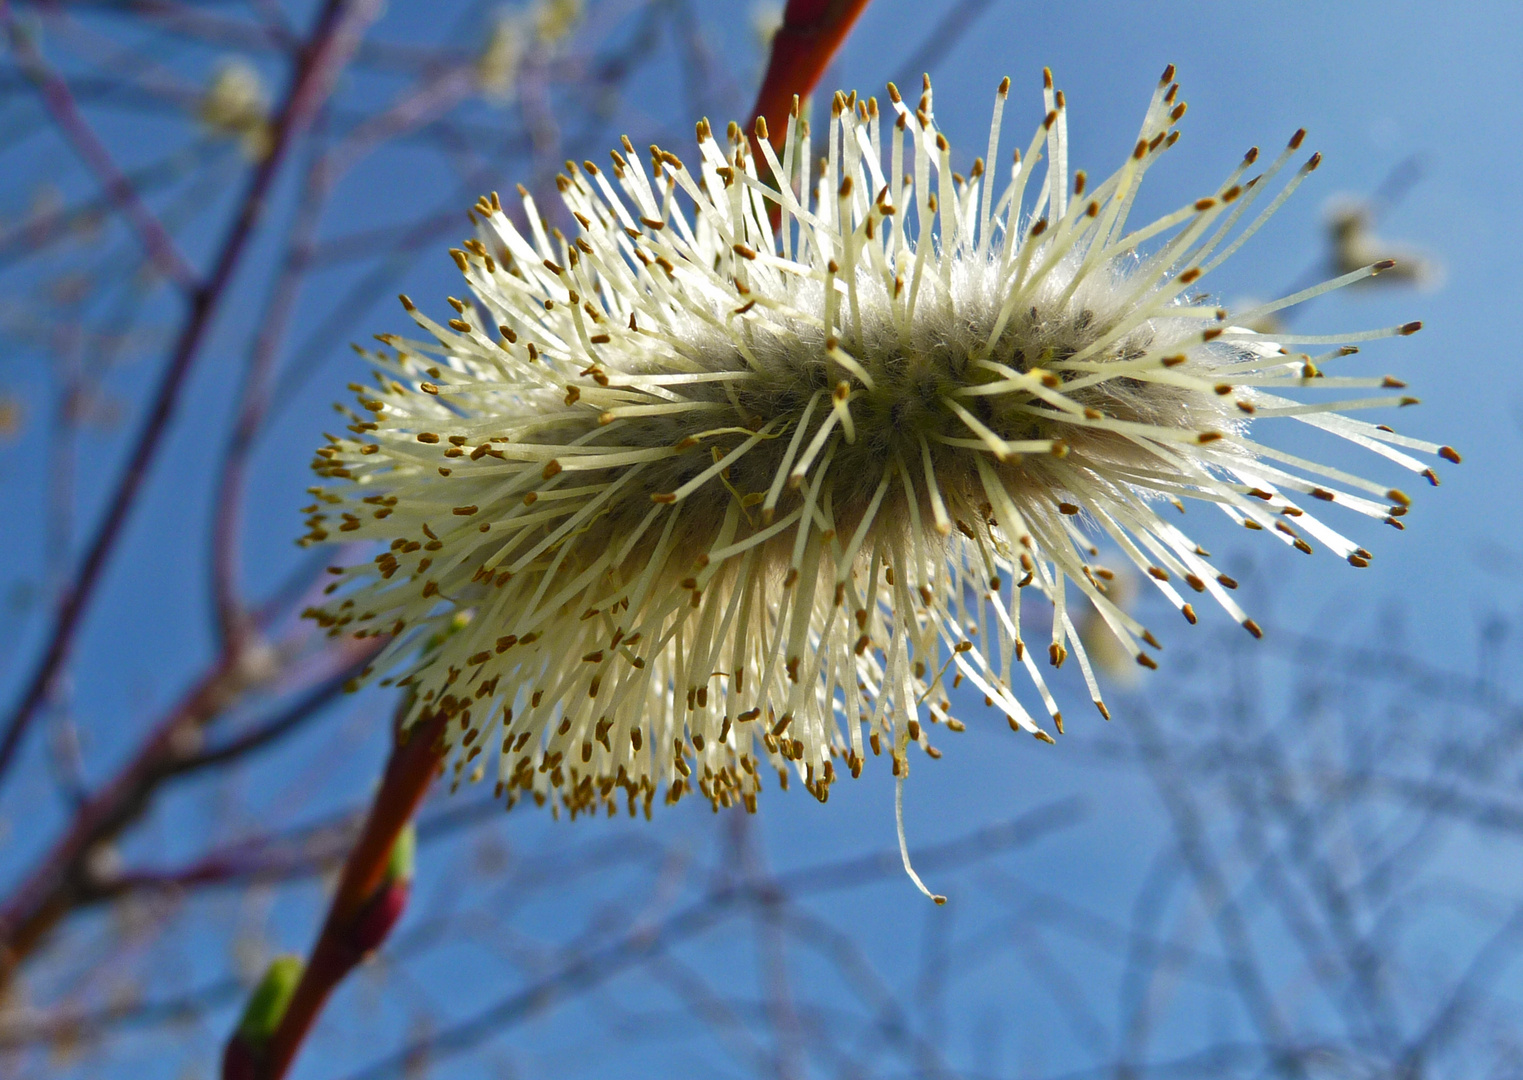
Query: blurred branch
1258	1001
208	24
70	874
346	665
54	887
1486	966
52	226
420	106
958	20
303	852
334	37
59	1028
162	251
648	941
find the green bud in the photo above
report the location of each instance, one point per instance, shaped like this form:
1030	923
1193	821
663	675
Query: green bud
399	867
267	1004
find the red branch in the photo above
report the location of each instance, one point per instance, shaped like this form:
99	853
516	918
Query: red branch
332	42
811	33
414	762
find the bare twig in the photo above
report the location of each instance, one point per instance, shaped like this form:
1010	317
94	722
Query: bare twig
333	39
416	108
1262	1008
649	941
958	20
160	247
68	876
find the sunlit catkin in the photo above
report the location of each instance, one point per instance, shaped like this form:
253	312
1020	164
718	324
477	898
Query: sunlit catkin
727	501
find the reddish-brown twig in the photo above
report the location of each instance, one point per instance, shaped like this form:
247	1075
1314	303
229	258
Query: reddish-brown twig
333	40
348	931
802	48
811	32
